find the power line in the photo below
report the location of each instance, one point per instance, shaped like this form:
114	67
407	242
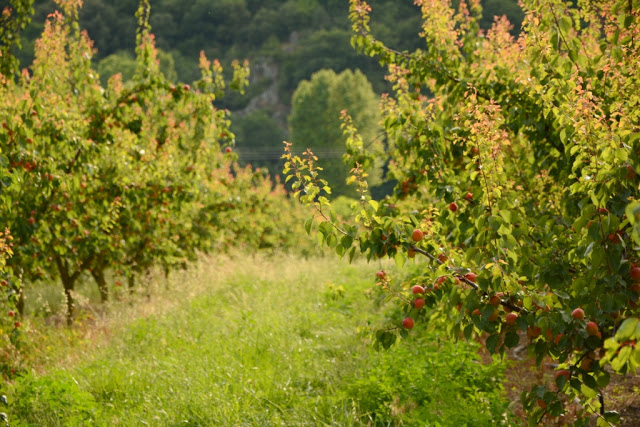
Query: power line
267	153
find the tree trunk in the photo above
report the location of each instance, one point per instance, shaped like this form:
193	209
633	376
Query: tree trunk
68	289
98	276
167	272
20	302
147	282
69	281
131	283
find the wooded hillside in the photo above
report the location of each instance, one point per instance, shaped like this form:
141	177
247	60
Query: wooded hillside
286	41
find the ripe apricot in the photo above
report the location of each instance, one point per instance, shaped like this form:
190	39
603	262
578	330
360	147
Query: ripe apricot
408	323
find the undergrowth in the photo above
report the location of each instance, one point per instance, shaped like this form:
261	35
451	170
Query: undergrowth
254	341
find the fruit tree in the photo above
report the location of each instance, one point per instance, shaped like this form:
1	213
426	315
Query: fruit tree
93	178
517	161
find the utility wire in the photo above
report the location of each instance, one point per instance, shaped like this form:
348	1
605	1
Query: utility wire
267	153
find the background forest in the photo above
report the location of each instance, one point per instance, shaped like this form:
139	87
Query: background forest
286	41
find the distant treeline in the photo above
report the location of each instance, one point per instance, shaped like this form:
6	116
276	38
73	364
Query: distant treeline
286	41
301	36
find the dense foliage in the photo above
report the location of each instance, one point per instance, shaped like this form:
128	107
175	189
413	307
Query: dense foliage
108	182
517	194
315	121
291	38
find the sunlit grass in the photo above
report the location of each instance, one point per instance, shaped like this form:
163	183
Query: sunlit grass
256	341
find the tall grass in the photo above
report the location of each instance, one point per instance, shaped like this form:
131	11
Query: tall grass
258	341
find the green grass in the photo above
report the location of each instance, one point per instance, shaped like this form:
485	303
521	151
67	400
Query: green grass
259	342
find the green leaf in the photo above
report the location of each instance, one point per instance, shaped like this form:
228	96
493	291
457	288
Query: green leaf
588	391
627	329
511	339
387	339
346	241
612	417
621	360
468	331
561	380
492	343
589	381
602	378
400	259
352	253
307	225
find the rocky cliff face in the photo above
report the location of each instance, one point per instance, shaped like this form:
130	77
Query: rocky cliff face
264	72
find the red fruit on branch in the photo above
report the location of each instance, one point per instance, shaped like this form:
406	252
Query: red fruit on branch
470	277
510	318
417	235
228	150
31	220
494	300
631	174
562	373
381	275
417	289
578	314
408	323
453	206
549	335
534	332
418	303
635	274
592	328
11	314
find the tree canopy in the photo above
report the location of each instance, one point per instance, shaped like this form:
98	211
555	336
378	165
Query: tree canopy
315	121
518	197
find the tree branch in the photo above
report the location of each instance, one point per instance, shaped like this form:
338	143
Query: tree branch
467	281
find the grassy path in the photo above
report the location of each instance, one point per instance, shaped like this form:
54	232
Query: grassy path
264	342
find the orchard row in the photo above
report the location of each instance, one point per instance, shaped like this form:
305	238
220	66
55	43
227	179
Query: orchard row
109	182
